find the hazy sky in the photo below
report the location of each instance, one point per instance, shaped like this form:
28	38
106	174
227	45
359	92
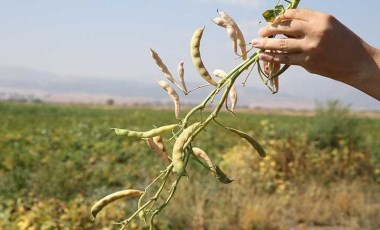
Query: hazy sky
112	38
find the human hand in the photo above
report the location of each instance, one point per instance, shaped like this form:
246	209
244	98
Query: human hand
322	45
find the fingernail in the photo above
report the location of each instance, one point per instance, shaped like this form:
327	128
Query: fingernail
255	42
265	57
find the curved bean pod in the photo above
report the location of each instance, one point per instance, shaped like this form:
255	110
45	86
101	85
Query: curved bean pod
179	148
220	22
159	142
233	97
202	154
229	22
270	68
148	134
162	66
232	94
221	176
157	149
219	73
173	95
250	139
181	75
98	206
196	56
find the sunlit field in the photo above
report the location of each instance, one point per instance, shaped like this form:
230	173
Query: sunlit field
322	170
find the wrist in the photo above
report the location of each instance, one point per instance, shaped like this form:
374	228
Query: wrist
368	79
376	58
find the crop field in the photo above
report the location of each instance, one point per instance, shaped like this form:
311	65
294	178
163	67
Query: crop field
322	171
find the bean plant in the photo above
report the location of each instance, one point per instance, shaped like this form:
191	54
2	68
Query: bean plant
185	130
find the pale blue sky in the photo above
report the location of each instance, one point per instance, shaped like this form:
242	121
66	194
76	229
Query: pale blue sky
112	38
93	37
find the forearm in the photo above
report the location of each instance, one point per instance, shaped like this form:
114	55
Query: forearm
367	79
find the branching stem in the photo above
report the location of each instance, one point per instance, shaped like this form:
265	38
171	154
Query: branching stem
225	85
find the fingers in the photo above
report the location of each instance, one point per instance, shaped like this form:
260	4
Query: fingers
292	28
283	58
285	45
299	14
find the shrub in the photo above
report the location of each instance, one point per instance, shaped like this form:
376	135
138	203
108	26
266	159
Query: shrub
333	125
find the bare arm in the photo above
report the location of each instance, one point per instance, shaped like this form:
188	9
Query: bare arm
322	45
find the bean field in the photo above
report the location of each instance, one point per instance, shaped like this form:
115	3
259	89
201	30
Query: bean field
321	171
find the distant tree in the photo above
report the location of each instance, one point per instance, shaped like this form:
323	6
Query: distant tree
110	102
333	123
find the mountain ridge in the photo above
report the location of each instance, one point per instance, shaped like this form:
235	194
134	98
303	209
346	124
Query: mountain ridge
54	87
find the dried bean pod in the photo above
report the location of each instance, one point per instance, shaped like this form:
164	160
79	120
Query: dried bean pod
221	176
233	97
162	66
196	56
98	206
232	94
173	95
220	22
232	33
202	154
159	142
162	154
148	134
270	68
250	139
181	75
240	37
219	73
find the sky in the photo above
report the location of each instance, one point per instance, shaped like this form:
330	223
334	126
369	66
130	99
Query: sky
112	38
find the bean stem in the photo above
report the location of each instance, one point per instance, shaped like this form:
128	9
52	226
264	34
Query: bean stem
225	83
164	175
228	81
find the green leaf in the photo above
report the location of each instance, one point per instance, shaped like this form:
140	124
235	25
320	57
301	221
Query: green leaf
269	15
279	9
